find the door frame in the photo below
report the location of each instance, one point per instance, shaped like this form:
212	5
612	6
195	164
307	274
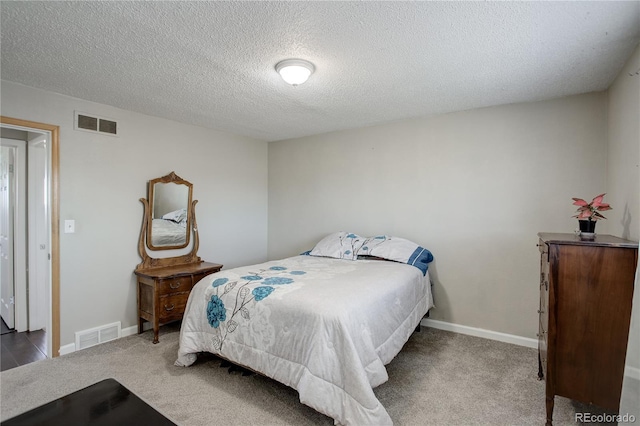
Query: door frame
54	200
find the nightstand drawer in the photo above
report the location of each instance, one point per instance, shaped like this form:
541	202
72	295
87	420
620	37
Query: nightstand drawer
172	307
174	285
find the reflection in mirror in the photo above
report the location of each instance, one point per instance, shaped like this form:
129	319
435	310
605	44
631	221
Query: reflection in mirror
169	206
169	215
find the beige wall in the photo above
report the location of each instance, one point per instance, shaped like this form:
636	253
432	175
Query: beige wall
475	187
623	186
623	174
101	180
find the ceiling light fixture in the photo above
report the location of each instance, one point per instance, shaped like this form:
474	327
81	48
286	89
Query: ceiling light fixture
295	71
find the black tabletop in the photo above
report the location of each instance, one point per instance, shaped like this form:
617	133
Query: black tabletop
105	403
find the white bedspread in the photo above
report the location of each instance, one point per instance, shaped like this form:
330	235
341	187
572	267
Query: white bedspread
325	327
166	232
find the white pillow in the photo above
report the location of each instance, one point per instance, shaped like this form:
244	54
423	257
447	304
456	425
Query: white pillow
397	249
339	245
176	215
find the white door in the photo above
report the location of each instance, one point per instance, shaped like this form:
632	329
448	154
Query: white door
38	232
13	289
7	195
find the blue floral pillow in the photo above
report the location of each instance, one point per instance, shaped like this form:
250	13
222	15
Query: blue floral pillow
339	245
398	249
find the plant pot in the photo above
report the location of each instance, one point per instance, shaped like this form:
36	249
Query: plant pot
588	226
587	229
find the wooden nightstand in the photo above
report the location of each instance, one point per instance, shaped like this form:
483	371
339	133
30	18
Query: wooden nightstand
163	292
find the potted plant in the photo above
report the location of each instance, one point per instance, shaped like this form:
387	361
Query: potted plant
589	213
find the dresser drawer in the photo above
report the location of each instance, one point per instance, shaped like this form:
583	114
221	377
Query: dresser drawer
174	285
543	334
542	352
543	343
172	307
543	309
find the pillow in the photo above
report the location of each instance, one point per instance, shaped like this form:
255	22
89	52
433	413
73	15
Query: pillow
369	243
339	245
178	216
398	249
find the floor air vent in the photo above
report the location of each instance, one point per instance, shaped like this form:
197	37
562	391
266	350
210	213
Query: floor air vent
92	123
94	336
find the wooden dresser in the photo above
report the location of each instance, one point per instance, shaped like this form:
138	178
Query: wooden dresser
586	289
163	292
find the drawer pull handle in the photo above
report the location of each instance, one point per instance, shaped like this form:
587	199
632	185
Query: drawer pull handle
169	308
174	285
540	311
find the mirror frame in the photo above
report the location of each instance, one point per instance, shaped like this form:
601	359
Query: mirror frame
175	179
149	262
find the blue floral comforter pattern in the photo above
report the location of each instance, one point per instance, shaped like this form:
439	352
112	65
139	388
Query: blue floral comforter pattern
324	326
245	293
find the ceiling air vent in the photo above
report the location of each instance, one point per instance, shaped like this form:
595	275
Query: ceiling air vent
92	123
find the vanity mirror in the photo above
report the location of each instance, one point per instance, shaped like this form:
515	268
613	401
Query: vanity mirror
168	222
170	208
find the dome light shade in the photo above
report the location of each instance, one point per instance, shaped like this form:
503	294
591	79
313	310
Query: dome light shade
295	71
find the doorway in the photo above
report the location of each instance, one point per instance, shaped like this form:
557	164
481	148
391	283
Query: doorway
42	158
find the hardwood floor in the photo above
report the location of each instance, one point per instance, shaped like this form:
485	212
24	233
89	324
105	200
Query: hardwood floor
4	329
21	348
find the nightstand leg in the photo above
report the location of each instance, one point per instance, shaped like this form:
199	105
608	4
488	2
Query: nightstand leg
156	329
139	325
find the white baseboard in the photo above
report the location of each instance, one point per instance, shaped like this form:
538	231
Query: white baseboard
630	372
480	332
129	331
71	347
67	349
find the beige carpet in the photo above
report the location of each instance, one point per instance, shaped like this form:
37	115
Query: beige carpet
439	378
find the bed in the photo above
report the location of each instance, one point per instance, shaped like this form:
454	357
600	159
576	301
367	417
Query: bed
167	232
323	325
170	229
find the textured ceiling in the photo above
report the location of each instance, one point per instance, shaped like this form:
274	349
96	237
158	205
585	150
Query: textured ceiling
212	63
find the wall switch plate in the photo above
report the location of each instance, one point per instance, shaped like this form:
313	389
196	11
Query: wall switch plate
69	226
